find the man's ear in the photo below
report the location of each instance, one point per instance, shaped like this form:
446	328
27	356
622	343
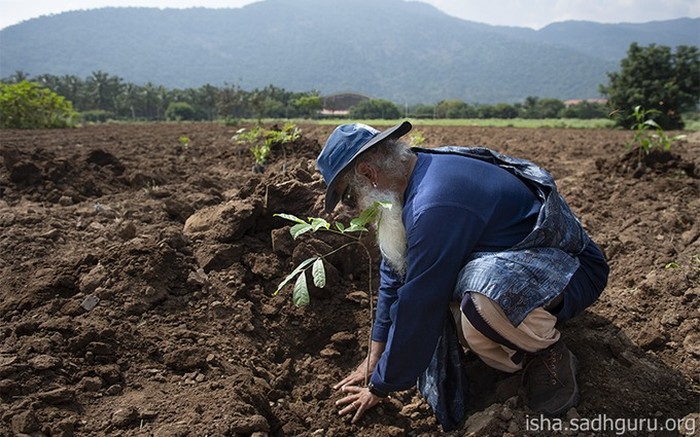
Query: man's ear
367	171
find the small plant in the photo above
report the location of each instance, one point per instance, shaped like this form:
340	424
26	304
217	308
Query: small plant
244	136
416	138
300	294
694	263
261	151
184	141
648	135
250	137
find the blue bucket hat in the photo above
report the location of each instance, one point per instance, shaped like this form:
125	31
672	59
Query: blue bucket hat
345	144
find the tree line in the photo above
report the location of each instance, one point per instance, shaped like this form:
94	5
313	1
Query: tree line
532	108
103	96
652	77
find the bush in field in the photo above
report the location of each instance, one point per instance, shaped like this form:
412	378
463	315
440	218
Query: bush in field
180	111
26	105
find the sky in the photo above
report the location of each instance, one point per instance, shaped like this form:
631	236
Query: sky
523	13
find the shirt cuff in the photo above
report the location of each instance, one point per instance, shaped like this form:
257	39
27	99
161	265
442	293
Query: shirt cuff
380	333
387	388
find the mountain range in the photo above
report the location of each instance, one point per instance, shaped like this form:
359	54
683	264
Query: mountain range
406	52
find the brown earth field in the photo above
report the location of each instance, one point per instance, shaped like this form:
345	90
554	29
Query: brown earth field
138	278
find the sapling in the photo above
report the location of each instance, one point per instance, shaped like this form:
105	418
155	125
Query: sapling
261	150
648	135
300	293
416	138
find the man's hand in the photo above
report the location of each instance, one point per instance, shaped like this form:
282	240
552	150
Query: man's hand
360	376
360	399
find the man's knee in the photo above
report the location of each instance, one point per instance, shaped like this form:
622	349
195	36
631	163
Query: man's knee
490	334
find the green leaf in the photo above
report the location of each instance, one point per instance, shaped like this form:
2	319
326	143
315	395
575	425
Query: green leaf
367	216
318	223
300	296
385	205
652	123
296	271
340	226
319	273
290	217
300	228
355	226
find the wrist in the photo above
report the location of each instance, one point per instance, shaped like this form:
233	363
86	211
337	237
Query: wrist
377	392
376	350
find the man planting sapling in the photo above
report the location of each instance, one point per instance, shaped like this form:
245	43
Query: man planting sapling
475	240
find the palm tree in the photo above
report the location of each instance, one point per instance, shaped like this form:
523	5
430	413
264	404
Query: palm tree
104	90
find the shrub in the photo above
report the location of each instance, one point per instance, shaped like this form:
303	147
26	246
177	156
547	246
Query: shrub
648	134
26	105
180	111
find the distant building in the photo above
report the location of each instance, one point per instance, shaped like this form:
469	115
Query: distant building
340	104
572	102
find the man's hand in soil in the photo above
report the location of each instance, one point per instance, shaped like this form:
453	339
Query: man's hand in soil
360	376
360	399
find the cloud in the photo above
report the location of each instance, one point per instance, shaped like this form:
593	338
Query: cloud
539	13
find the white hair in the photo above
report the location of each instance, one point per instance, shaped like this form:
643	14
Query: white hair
391	157
390	230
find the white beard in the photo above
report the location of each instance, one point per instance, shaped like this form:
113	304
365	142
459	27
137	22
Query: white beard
391	232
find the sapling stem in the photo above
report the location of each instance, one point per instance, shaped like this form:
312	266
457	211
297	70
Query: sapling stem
371	312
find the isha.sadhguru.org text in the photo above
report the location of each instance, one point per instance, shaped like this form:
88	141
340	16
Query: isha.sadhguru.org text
603	423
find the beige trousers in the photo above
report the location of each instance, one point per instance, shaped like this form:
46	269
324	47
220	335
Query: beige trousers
535	333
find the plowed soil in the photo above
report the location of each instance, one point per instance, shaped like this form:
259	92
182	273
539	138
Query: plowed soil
138	276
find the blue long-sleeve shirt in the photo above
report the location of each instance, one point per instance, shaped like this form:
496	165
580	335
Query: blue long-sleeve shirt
453	206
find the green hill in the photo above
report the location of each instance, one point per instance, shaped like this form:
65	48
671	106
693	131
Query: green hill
401	51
